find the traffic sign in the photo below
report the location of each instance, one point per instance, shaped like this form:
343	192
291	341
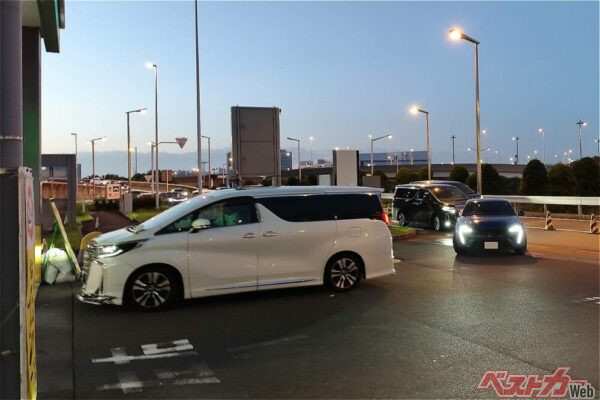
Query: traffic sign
181	141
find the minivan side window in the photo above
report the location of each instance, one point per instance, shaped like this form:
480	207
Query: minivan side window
230	212
323	207
404	193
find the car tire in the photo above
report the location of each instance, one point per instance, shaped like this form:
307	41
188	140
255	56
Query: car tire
436	223
152	288
401	218
521	250
461	251
343	272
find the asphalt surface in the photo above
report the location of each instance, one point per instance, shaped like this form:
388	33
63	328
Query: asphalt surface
430	331
565	224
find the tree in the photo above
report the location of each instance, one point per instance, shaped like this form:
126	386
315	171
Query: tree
265	182
471	181
114	177
535	179
312	180
511	186
561	181
459	174
292	181
423	173
492	182
587	176
404	176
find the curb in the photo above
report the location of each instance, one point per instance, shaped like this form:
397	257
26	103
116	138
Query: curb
404	236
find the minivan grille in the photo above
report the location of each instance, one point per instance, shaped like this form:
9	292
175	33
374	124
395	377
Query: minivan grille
90	254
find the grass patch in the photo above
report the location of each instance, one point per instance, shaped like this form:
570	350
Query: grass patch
143	214
400	230
73	235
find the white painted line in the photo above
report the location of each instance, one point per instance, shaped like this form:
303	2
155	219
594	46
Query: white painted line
123	359
176	345
265	344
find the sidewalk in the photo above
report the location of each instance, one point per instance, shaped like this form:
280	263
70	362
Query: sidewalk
54	341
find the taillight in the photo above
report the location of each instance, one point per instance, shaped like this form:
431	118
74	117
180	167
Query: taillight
382	215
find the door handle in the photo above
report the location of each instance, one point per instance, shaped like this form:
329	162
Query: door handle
250	235
269	234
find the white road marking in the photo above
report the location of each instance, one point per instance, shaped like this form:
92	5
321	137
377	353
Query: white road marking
265	344
123	359
176	345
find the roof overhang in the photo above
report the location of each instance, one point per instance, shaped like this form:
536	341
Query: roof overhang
49	16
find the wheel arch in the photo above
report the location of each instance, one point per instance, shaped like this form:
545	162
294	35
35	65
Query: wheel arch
361	262
168	267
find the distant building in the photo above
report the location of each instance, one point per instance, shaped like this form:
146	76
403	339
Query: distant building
402	157
286	160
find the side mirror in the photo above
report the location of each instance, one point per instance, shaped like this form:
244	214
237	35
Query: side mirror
520	213
199	224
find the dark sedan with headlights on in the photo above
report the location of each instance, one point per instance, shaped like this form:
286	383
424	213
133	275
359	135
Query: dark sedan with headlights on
489	224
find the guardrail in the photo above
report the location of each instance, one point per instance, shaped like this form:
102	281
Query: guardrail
578	201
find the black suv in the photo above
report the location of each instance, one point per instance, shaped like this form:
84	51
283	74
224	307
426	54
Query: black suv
461	186
429	205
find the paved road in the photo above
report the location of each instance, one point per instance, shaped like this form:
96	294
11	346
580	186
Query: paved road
430	331
558	223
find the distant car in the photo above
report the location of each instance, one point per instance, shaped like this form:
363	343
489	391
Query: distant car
427	205
461	186
488	224
250	240
172	198
180	190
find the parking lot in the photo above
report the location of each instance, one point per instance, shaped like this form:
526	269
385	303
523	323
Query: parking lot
430	331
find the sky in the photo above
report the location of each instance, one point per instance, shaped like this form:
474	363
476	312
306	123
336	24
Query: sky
338	70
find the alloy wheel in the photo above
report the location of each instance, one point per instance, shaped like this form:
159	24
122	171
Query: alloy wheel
401	219
151	289
344	273
436	223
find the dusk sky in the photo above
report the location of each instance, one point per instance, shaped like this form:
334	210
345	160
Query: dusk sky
338	71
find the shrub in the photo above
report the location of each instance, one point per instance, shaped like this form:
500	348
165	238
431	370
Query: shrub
423	173
561	181
292	181
535	179
405	175
459	174
587	176
471	181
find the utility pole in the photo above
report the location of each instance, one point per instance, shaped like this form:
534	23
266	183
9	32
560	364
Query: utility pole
198	126
581	124
452	137
136	170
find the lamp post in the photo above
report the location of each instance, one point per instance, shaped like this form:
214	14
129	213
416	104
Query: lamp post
299	169
153	66
141	111
581	124
541	130
374	140
136	170
412	156
153	147
597	147
311	139
452	137
210	180
198	126
76	177
498	154
456	34
74	134
516	140
415	110
93	142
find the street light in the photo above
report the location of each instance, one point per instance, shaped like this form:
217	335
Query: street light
456	34
198	126
598	147
414	110
541	130
210	180
374	140
153	146
299	169
516	140
498	154
452	137
153	66
581	124
76	176
93	142
141	111
311	139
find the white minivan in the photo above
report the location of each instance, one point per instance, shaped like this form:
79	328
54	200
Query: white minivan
241	240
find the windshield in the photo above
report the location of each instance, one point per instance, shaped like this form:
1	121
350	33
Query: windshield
447	193
168	216
464	188
488	208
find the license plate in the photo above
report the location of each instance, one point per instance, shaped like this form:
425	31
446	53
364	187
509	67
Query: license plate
490	245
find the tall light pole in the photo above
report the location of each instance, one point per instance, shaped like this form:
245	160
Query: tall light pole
142	111
136	170
541	130
299	169
76	176
93	142
210	180
597	147
516	140
374	140
498	154
581	124
452	137
456	34
74	134
153	66
198	126
311	139
153	149
415	110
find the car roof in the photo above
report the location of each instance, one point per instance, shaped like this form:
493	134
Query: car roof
418	185
484	200
269	191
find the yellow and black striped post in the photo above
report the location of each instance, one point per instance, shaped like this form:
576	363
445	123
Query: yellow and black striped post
549	226
594	225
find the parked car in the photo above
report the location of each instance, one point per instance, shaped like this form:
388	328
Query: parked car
487	224
427	205
172	197
459	185
232	241
181	191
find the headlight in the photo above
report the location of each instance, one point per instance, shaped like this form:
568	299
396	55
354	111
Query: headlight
116	249
517	229
464	230
449	209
